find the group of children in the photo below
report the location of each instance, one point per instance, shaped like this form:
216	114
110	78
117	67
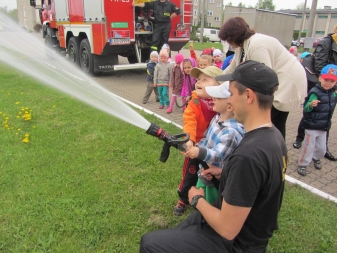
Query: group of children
163	75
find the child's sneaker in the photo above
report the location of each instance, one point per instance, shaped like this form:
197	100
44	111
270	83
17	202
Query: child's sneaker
317	164
302	170
180	208
161	107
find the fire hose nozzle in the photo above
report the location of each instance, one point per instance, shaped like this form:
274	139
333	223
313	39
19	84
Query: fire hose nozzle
178	141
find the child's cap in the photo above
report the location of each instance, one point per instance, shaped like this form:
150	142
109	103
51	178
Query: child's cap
293	49
211	71
329	72
154	53
163	53
217	52
178	58
304	54
207	51
221	91
165	46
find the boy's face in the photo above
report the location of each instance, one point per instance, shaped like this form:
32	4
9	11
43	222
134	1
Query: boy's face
203	63
154	58
163	58
221	106
203	81
327	84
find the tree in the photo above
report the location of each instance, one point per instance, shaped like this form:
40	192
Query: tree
241	5
300	6
229	4
265	5
200	17
12	14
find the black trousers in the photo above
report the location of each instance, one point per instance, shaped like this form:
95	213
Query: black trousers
192	235
279	119
189	178
161	34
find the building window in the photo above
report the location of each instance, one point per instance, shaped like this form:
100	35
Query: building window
209	13
218	4
195	12
299	16
209	24
319	32
211	1
322	16
216	19
195	1
333	16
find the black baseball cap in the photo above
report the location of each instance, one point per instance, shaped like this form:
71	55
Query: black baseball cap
254	75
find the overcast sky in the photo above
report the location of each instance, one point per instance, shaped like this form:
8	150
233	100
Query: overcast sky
280	4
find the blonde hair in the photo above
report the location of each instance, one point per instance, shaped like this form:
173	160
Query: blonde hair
206	57
335	29
163	52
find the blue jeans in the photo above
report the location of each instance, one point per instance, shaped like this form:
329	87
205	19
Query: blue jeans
163	95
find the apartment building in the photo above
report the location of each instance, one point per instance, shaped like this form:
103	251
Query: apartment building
213	12
325	20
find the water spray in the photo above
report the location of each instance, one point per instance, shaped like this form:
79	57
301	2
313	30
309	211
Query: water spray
178	141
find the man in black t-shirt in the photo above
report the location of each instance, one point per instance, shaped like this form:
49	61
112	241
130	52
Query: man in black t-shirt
251	182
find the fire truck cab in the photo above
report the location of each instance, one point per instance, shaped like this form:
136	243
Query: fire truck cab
95	32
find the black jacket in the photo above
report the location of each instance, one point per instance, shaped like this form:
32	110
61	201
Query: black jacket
320	116
162	11
325	53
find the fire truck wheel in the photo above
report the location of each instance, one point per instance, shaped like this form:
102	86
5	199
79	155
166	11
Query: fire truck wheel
132	58
86	59
73	50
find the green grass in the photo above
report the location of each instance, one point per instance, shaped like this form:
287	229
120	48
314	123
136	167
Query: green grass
204	45
89	182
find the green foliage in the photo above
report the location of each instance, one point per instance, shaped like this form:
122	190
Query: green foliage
88	182
265	5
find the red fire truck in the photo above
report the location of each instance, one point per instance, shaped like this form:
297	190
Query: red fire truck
94	32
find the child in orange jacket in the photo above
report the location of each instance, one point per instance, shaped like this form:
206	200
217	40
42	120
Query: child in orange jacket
197	116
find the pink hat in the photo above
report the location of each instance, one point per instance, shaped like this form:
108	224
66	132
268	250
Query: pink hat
178	58
293	49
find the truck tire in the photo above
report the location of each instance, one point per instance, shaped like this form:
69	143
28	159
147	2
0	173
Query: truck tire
85	57
73	50
132	59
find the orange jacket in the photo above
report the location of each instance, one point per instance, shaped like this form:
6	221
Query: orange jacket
195	123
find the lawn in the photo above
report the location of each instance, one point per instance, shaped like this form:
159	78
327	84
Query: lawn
75	179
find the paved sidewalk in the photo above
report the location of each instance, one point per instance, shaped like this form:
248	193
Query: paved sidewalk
131	85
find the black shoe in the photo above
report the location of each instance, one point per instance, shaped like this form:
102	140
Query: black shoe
317	164
302	170
297	144
180	208
329	156
157	100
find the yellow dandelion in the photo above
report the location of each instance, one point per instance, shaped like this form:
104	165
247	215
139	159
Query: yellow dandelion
17	103
25	140
19	129
6	126
6	118
20	112
26	135
5	114
16	133
33	126
0	113
26	108
54	106
17	117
